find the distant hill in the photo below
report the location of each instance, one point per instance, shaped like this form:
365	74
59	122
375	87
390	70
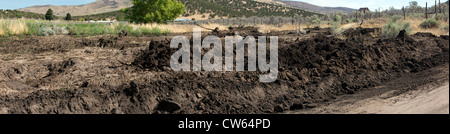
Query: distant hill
203	9
309	7
240	8
270	1
99	6
20	14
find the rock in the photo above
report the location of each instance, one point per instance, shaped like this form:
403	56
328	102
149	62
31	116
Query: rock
85	84
296	106
310	106
199	95
132	90
350	92
169	106
278	109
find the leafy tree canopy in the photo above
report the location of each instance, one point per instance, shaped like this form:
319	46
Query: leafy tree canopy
155	11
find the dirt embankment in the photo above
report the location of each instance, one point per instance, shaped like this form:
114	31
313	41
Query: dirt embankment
425	92
132	75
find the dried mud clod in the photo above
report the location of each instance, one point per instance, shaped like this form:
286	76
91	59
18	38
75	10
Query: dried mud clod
123	33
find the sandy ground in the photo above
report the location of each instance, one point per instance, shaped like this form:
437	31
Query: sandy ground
416	96
431	101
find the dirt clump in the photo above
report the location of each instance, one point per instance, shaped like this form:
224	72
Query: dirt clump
359	31
318	30
156	57
243	31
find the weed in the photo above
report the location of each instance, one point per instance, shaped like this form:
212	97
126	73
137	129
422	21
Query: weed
430	23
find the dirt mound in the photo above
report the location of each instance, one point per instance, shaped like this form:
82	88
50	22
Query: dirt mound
318	30
156	57
310	71
243	31
36	45
359	31
425	34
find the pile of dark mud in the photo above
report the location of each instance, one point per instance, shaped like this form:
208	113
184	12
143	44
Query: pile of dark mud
235	31
359	31
318	30
311	71
36	45
155	57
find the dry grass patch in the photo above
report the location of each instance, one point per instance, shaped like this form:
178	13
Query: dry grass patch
415	25
13	27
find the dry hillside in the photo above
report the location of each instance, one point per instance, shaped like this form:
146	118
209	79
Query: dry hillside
308	6
99	6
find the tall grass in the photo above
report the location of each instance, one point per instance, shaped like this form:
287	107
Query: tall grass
47	28
1	30
13	27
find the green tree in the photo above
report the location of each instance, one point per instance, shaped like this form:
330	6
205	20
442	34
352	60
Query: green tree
159	11
413	5
49	15
68	16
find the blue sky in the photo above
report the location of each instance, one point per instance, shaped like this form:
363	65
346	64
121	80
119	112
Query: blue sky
15	4
372	4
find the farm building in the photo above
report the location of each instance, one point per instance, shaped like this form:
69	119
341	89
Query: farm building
364	9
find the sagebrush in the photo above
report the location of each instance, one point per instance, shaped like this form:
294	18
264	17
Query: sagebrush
430	23
393	27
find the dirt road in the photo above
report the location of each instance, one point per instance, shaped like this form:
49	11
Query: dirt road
419	97
434	101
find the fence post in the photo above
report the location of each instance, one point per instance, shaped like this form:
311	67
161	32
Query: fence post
404	13
426	10
435	7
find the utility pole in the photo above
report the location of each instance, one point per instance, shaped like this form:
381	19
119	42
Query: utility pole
440	10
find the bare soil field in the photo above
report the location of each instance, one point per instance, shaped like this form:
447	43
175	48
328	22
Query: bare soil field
122	74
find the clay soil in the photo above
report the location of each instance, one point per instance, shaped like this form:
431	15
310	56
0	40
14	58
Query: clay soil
114	75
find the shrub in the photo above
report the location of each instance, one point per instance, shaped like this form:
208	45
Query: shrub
350	20
60	30
52	30
46	31
445	28
430	23
316	22
442	17
337	18
335	27
393	28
